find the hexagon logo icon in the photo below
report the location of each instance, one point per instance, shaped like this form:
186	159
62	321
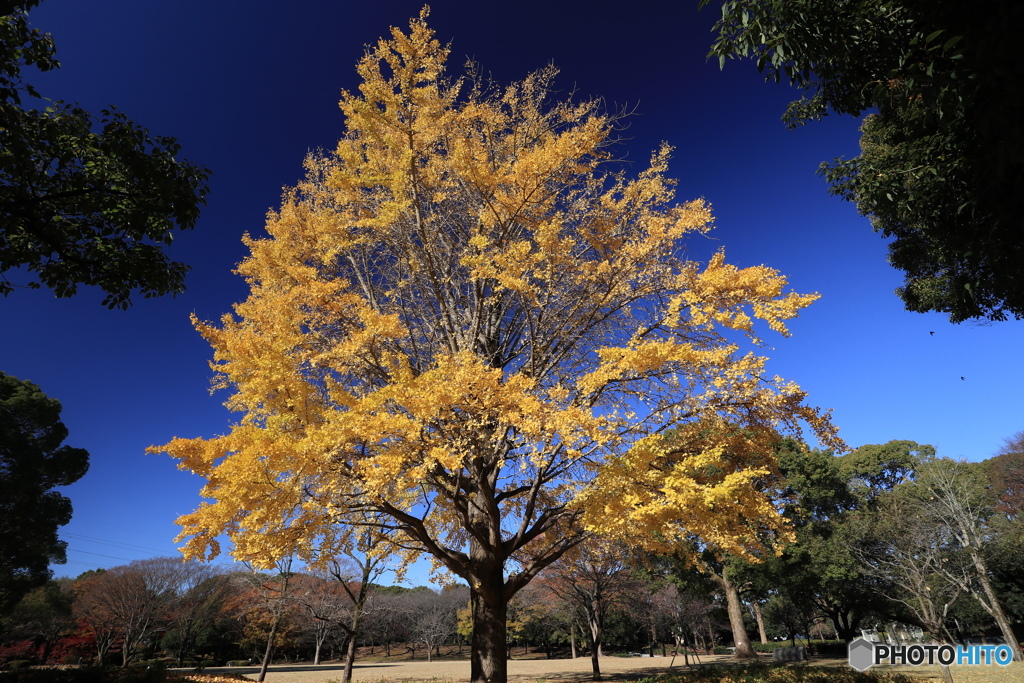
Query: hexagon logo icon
862	654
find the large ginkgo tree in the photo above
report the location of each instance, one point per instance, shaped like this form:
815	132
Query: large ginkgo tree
460	315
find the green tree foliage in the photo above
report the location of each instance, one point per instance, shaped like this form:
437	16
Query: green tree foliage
873	469
818	572
940	170
831	503
42	616
84	199
32	463
819	569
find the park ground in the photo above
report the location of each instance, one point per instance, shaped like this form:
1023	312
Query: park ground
448	670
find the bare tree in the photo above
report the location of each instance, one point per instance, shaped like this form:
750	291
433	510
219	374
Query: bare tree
127	602
955	496
435	616
1006	472
273	592
196	593
91	608
651	601
356	565
325	604
387	620
591	576
692	619
916	562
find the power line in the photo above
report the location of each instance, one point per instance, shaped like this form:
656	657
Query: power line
95	522
117	544
84	564
86	552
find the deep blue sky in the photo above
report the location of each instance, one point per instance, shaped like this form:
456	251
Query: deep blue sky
249	86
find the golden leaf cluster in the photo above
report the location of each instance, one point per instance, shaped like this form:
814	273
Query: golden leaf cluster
708	484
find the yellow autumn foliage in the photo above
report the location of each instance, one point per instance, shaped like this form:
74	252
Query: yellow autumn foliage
470	324
708	484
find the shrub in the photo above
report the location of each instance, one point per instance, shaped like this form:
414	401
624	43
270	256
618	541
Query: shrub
113	674
832	648
88	674
151	663
18	664
765	673
770	647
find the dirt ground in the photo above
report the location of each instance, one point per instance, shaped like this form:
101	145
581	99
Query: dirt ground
570	671
612	668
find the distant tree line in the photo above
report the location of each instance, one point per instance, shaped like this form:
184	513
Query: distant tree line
888	537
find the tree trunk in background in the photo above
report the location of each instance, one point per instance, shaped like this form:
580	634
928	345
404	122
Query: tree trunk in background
760	623
844	622
994	607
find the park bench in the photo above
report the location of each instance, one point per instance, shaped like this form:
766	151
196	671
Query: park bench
789	654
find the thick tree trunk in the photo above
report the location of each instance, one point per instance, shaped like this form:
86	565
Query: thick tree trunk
739	631
572	638
488	651
595	645
844	623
